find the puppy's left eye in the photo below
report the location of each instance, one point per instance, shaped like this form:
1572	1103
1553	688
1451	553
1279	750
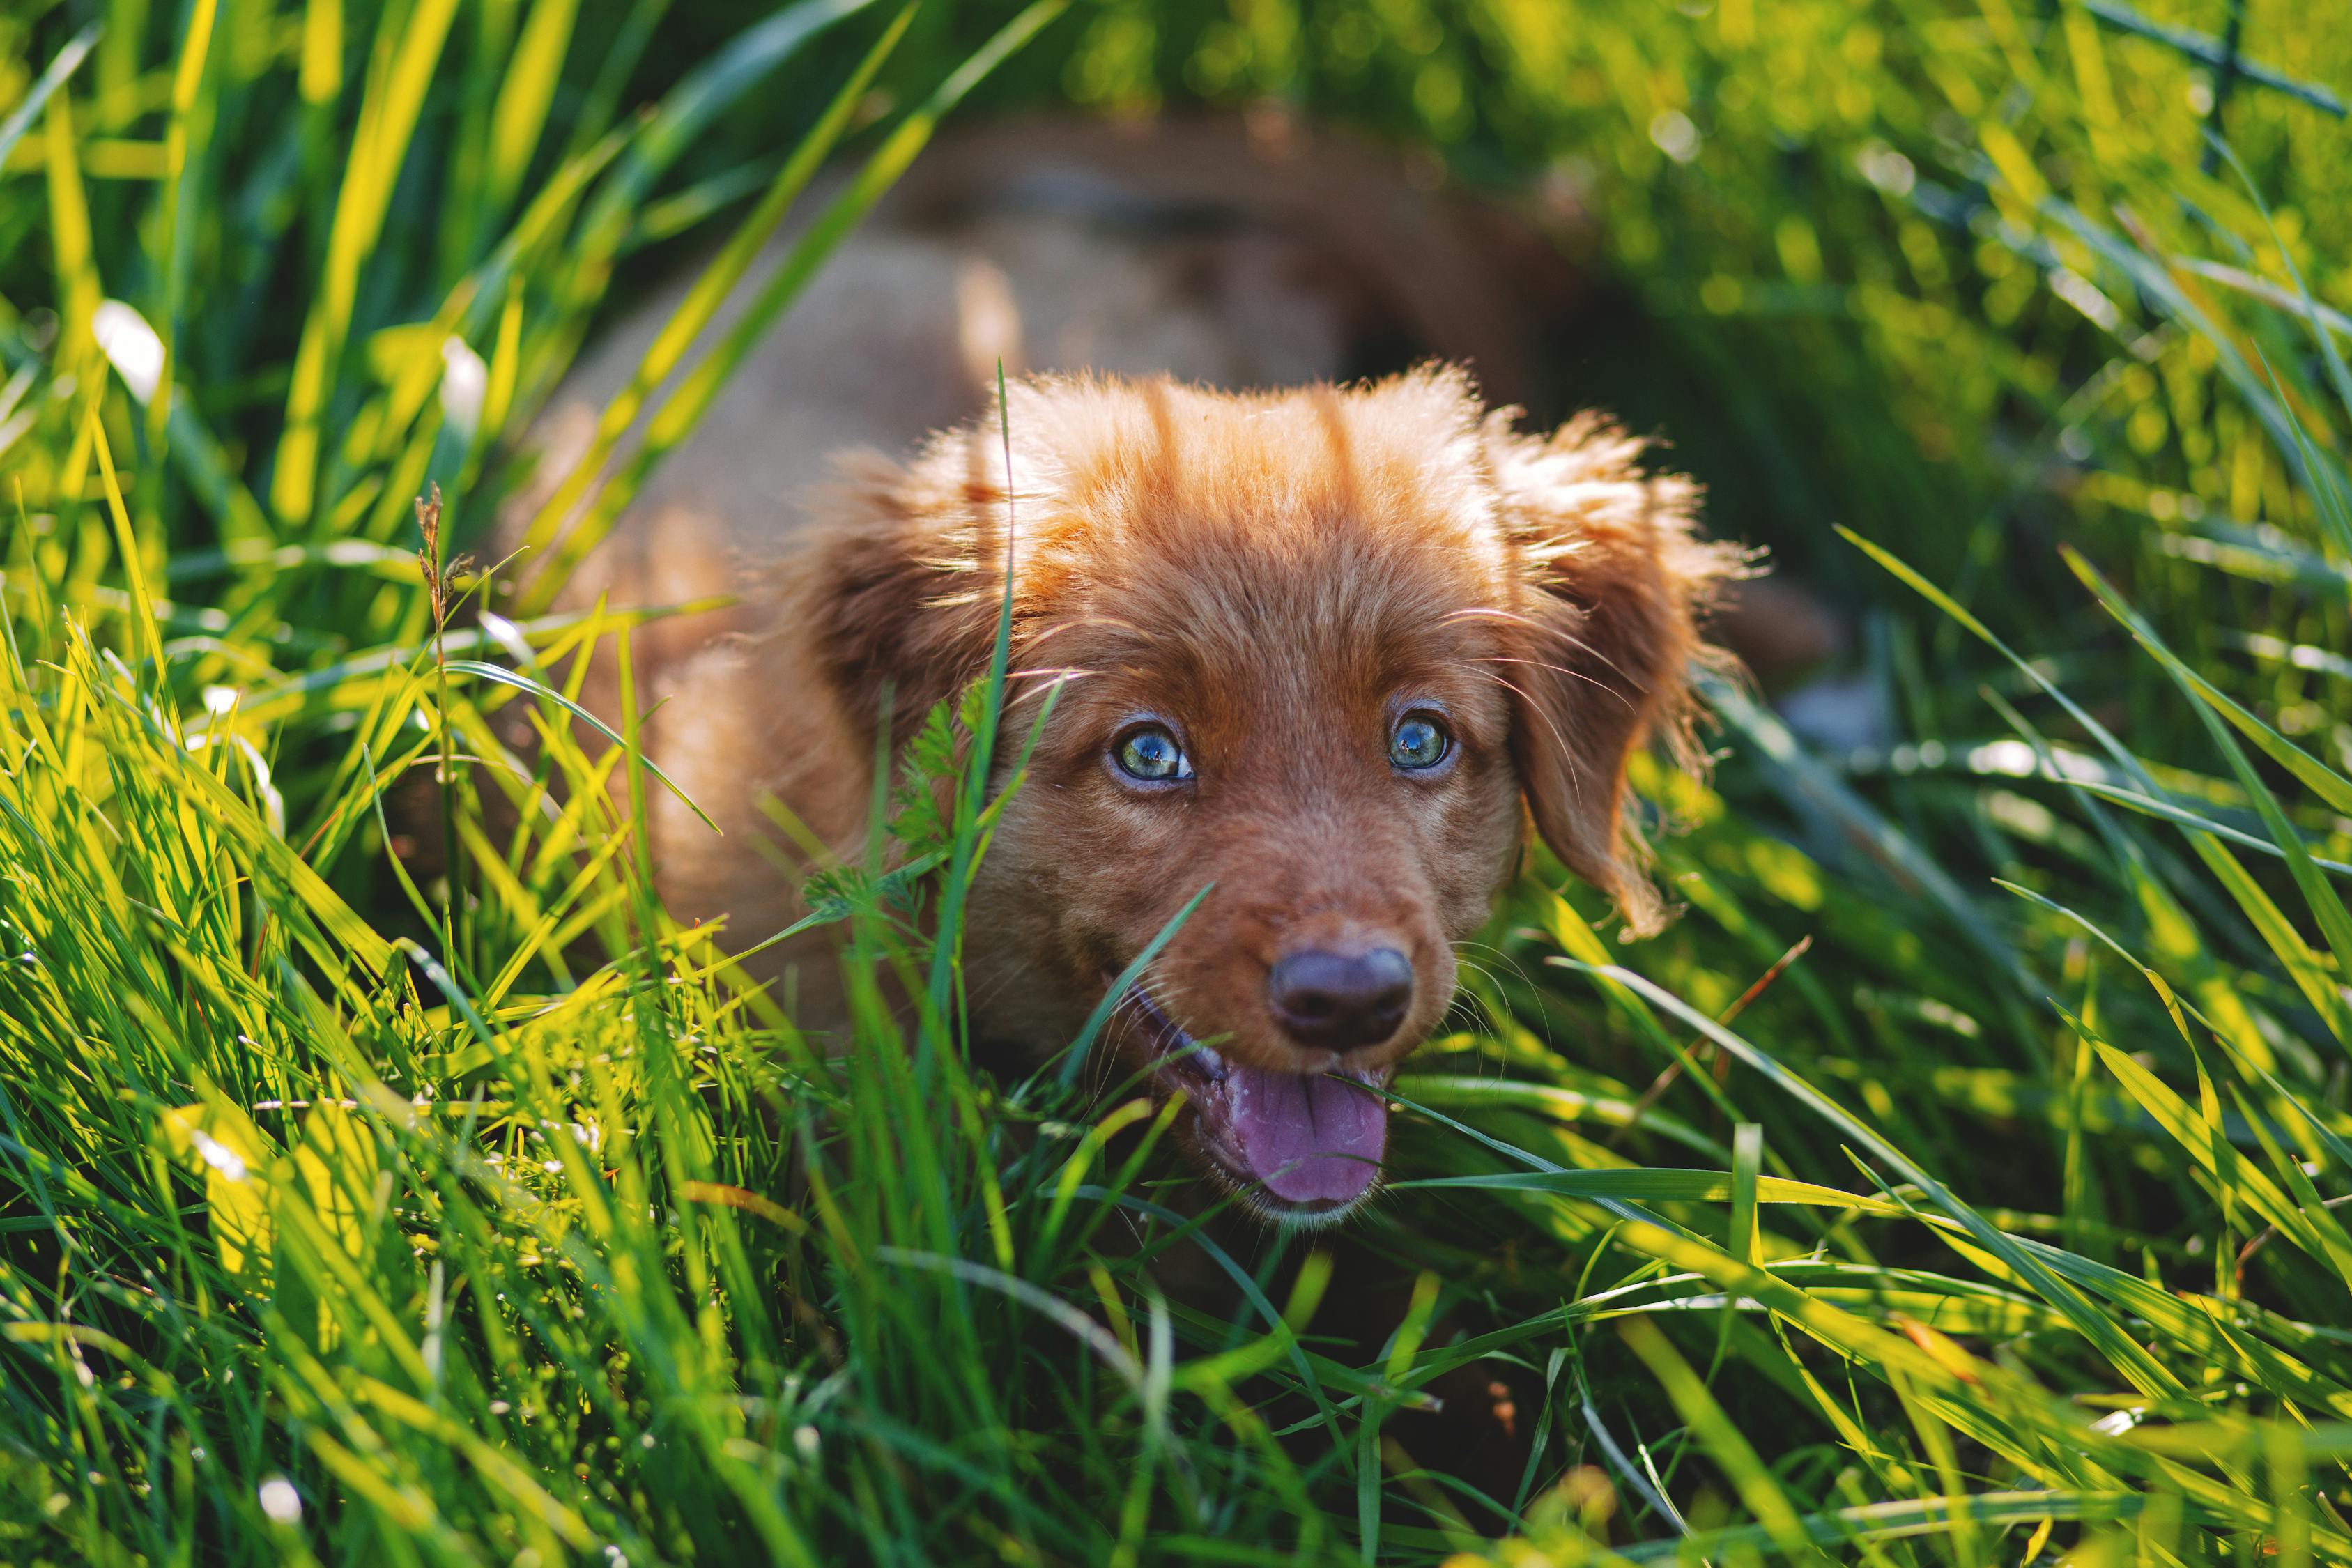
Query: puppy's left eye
1418	741
1148	753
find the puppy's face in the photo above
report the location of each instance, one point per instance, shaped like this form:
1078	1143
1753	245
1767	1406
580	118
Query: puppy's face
1308	657
1311	729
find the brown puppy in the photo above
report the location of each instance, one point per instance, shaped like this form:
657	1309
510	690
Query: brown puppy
1316	648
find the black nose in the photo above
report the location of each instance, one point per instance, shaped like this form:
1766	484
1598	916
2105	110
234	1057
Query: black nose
1339	1000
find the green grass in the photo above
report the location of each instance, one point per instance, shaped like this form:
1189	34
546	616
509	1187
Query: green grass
1954	1183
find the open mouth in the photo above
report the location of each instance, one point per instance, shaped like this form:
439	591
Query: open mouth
1300	1144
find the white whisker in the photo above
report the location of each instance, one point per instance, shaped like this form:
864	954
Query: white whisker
1575	786
1571	674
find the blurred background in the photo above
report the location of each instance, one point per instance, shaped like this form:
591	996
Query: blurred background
1928	293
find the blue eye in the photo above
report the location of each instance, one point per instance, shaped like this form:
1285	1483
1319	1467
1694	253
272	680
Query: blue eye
1418	741
1150	753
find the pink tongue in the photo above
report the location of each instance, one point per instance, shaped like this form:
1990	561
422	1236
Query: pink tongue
1309	1140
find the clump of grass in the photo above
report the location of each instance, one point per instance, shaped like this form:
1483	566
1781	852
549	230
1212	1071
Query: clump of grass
346	1217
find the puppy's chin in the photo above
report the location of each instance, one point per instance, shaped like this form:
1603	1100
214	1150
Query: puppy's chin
1301	1150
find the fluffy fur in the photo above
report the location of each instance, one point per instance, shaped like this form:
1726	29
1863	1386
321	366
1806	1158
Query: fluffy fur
1276	578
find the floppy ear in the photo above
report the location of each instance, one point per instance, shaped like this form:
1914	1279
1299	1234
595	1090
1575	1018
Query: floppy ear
1613	585
903	587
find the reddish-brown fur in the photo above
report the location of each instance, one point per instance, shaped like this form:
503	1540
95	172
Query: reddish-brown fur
1275	576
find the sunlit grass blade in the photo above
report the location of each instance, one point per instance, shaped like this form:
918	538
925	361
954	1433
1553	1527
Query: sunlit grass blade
400	69
526	92
29	109
718	279
2120	1349
1758	1489
676	419
523	683
2325	905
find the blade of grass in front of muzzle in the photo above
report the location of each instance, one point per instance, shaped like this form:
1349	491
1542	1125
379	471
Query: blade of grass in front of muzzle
1074	1056
1072	1173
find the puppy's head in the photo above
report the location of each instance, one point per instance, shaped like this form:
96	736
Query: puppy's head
1313	651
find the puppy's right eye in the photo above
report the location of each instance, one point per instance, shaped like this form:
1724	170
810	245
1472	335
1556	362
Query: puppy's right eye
1150	753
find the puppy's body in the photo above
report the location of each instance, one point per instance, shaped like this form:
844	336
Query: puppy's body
1314	648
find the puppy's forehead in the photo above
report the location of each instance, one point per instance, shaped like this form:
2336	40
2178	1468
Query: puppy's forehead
1226	591
1146	457
1237	619
1318	517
